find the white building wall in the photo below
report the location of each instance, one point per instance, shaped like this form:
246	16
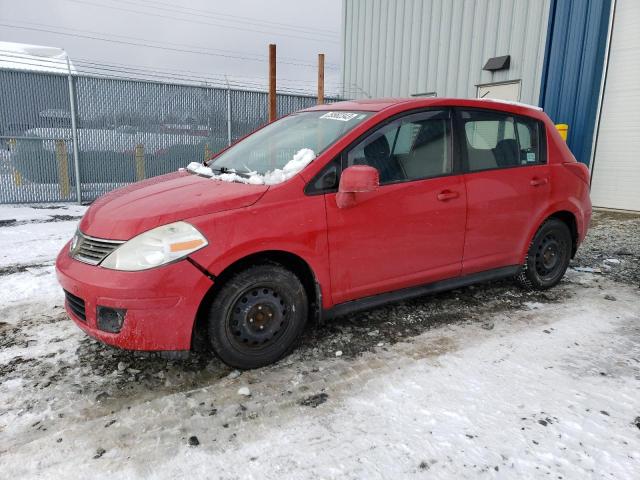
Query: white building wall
399	48
616	169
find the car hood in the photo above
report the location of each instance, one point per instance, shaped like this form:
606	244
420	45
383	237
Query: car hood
129	211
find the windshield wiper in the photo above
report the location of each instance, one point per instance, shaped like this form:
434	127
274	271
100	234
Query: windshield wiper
222	170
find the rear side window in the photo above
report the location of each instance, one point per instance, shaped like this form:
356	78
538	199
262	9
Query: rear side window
497	140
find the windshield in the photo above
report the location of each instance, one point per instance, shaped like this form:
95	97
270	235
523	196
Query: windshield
281	149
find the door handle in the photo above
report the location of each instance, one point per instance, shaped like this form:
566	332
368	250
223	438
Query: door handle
536	182
447	195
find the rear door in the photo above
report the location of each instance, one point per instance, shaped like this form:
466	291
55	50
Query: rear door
507	184
411	230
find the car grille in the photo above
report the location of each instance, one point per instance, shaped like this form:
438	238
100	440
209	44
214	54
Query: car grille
76	305
93	250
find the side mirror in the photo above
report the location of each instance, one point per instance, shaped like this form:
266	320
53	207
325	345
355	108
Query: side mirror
354	180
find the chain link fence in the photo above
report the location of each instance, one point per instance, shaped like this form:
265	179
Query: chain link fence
125	131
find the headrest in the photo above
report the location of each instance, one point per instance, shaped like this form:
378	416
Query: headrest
377	149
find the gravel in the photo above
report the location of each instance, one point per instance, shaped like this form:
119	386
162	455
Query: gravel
612	247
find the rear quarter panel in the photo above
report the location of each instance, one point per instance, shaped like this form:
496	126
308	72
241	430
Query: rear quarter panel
568	192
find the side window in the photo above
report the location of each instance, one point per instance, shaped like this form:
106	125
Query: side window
411	148
326	181
497	140
528	138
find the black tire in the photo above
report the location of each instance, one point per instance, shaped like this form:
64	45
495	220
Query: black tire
548	256
258	316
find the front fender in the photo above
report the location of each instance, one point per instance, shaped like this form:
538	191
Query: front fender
282	223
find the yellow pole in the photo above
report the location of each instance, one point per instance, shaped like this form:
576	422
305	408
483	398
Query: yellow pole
63	168
17	176
139	162
207	152
563	128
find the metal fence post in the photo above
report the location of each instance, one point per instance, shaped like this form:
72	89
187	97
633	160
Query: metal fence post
228	111
74	133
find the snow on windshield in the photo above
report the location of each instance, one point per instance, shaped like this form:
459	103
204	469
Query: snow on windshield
301	159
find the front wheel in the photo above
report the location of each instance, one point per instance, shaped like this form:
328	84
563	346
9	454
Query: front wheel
258	316
548	257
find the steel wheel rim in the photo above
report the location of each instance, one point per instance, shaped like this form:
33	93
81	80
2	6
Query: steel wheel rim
258	318
549	256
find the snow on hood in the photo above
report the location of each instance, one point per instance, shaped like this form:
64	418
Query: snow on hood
301	159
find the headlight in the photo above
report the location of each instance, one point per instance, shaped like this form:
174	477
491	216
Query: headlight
74	242
156	247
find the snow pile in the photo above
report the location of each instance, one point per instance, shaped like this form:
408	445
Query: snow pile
301	159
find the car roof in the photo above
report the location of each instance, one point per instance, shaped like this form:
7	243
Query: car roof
377	105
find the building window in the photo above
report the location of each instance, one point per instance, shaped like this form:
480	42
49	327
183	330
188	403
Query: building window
500	91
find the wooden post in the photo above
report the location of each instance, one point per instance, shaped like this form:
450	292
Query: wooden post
320	78
272	83
139	162
63	168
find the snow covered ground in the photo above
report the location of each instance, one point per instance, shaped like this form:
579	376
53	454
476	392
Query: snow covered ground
487	381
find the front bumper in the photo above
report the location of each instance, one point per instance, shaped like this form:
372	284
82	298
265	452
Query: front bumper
161	303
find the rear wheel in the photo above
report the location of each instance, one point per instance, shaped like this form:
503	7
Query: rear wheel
257	317
548	257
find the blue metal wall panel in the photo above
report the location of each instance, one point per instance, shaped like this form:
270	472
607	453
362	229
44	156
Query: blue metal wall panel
574	58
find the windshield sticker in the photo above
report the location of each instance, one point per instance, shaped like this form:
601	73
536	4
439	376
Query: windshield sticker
531	157
341	116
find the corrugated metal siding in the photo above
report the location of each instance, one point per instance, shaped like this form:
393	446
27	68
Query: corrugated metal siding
573	68
405	47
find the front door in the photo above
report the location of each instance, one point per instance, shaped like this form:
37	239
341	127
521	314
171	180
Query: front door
411	230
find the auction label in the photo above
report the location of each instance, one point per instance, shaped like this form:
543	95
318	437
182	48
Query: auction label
341	116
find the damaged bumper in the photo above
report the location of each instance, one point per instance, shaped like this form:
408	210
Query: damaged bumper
153	310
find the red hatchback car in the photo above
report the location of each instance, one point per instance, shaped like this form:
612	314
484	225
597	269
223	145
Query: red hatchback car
329	210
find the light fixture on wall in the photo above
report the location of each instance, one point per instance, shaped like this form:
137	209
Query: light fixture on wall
497	63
